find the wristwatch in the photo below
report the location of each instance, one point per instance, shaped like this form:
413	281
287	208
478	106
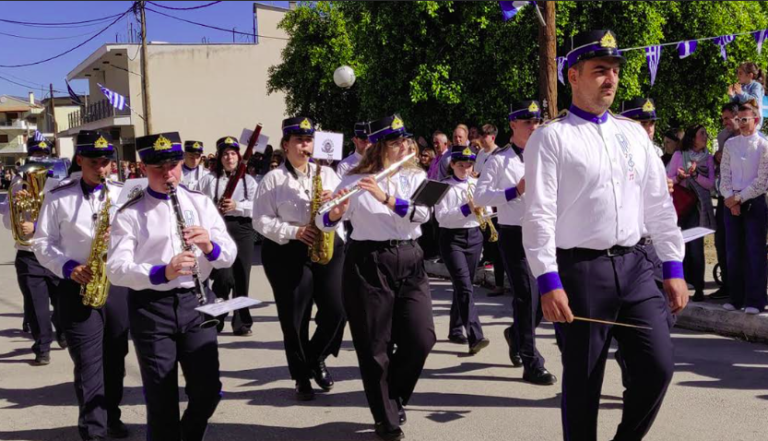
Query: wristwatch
386	200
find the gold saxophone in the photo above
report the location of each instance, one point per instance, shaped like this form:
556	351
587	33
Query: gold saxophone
95	293
321	250
26	208
485	222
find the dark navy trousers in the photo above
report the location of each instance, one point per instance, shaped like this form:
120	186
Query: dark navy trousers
237	278
526	305
460	250
746	255
619	288
98	344
166	332
39	288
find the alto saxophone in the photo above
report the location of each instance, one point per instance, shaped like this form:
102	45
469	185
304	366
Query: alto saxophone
321	250
482	219
95	293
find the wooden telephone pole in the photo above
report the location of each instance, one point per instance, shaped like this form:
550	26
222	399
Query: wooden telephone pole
147	108
548	59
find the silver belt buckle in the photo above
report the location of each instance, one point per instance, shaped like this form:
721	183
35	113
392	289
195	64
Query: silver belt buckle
610	253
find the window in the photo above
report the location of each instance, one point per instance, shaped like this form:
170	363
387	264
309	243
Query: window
3	139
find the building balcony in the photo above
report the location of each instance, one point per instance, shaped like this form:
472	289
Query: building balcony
17	124
12	148
98	115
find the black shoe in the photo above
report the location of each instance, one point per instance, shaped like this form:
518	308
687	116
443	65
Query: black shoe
698	296
220	326
540	376
720	294
304	391
93	438
25	328
401	411
496	292
244	332
62	341
117	430
514	356
459	339
389	434
42	360
322	376
479	346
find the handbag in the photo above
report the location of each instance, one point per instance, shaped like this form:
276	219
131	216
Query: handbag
684	200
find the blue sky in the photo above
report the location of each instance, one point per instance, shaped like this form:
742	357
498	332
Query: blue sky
52	41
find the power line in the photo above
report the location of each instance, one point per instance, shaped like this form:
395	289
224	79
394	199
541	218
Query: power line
120	17
69	37
184	9
231	31
30	23
28	86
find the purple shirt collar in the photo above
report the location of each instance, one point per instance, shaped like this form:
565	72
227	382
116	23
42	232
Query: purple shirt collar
87	189
583	114
156	195
187	168
455	178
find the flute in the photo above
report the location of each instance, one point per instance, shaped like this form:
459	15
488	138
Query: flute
328	206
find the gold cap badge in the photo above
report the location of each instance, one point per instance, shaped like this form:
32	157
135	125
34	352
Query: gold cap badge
162	143
648	107
305	125
43	145
608	40
397	123
467	152
229	140
533	108
101	143
196	145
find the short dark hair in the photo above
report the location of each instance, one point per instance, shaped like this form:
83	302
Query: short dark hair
731	107
489	129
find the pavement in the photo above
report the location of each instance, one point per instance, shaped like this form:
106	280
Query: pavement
719	392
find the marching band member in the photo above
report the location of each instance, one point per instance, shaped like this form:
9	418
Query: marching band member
237	216
385	286
37	284
193	168
502	185
461	242
97	338
361	145
593	181
283	217
147	256
643	110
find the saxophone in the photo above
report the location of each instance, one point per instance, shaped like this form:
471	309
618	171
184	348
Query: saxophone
321	250
95	293
482	219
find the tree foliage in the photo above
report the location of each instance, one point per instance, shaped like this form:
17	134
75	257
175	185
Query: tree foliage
441	63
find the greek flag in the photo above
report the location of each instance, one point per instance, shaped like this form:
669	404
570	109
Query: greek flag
38	136
686	48
117	100
73	96
722	41
510	9
760	38
560	65
653	55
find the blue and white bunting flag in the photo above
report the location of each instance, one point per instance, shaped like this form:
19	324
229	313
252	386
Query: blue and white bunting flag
722	41
38	136
115	99
653	55
73	96
510	9
560	66
760	38
686	48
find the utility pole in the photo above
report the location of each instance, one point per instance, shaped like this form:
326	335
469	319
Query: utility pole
144	77
548	59
55	126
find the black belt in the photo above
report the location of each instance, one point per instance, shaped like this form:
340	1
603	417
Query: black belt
392	243
586	253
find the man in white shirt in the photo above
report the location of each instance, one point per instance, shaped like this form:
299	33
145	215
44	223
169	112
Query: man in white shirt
593	182
643	110
743	183
193	170
361	145
487	138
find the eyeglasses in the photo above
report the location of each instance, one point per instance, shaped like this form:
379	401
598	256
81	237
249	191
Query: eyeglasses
743	120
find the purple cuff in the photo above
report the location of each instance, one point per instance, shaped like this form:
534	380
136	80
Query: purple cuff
672	270
465	210
549	282
68	268
510	193
327	220
214	254
401	207
157	275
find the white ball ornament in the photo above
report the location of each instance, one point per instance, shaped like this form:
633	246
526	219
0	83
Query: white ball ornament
344	77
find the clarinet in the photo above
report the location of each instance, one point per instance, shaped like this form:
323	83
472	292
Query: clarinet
180	225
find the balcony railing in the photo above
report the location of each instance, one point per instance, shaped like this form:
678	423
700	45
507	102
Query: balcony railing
16	124
95	112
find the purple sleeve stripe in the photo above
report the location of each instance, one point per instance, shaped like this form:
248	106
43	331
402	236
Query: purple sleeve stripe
401	207
68	268
510	193
327	220
549	282
672	270
157	275
465	210
215	252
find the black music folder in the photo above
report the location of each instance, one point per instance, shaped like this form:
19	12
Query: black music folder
429	193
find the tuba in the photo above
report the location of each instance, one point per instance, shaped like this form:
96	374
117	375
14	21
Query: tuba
26	208
482	218
95	293
321	250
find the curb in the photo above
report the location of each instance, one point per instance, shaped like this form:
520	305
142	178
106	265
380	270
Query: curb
703	317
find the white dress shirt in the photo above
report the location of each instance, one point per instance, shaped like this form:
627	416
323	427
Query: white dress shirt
67	224
744	167
144	239
191	176
283	202
593	182
482	160
372	220
348	164
497	186
243	201
453	211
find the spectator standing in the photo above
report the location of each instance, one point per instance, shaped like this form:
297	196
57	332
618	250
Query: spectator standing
672	138
426	157
439	168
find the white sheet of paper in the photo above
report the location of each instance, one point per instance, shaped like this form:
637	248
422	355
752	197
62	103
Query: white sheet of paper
328	146
696	233
129	187
261	144
216	309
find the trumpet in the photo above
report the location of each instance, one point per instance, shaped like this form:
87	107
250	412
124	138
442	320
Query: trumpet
482	218
328	206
